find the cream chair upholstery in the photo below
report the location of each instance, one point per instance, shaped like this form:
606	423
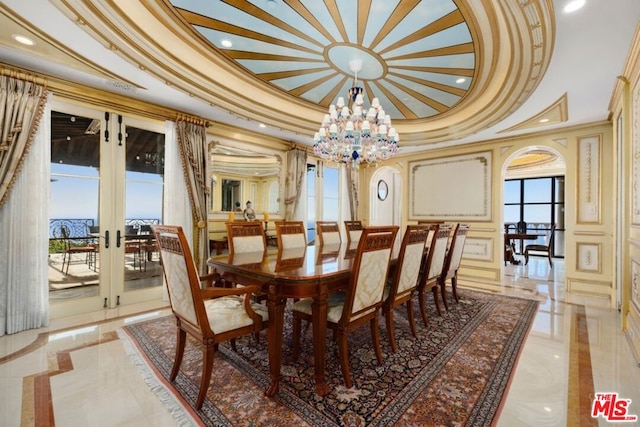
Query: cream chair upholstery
211	315
363	297
328	232
405	280
452	262
291	234
354	231
432	270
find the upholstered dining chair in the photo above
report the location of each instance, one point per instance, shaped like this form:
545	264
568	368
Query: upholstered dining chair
246	236
432	269
328	232
545	250
363	297
211	315
353	230
400	288
291	234
452	262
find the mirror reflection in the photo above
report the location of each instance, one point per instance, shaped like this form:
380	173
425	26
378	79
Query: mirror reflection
240	176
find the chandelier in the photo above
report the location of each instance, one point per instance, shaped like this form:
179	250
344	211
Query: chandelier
352	134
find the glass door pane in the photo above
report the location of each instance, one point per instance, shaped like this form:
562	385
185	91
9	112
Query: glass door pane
74	250
143	195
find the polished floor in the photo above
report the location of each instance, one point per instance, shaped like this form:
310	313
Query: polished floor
76	372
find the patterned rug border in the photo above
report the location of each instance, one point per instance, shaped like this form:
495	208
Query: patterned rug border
483	413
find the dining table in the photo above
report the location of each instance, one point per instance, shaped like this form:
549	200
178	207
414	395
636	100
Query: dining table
509	251
318	271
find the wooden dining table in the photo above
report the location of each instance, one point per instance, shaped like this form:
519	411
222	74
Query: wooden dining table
319	272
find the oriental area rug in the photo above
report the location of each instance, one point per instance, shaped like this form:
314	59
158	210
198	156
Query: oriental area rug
455	372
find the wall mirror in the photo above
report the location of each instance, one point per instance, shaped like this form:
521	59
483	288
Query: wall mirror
239	175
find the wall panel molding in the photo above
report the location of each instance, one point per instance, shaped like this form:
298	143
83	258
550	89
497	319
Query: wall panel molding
588	192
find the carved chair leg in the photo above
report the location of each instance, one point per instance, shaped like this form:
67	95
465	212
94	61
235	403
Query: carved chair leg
412	322
207	366
444	294
375	336
181	338
436	298
343	351
388	314
454	286
423	309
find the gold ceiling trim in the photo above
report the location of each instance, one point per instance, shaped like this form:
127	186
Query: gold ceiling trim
554	114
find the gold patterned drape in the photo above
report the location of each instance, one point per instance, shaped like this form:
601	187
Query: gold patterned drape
22	102
352	183
192	142
296	170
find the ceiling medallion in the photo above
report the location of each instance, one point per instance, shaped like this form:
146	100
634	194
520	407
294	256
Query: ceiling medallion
352	134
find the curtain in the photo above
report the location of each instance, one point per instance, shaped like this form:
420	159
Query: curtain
296	171
352	192
24	215
192	143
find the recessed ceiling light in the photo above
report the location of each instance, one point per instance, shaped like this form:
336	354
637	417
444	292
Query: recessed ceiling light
262	125
544	120
271	4
461	80
226	43
23	39
574	5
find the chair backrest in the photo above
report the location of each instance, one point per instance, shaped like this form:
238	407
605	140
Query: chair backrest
354	230
551	237
181	276
409	260
432	230
369	274
328	232
246	236
454	254
291	234
437	252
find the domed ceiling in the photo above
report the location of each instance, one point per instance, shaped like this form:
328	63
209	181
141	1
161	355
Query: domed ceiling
418	57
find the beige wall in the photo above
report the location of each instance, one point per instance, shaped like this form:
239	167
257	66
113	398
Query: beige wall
593	274
626	133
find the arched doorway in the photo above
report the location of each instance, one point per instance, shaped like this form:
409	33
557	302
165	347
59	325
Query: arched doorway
385	204
534	197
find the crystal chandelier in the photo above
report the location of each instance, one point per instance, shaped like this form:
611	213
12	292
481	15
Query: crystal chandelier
352	134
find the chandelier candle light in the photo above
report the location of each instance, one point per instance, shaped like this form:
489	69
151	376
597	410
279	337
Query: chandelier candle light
355	135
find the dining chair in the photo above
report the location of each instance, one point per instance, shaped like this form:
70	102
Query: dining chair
81	246
354	231
246	236
403	283
211	314
362	300
546	250
432	269
452	262
328	232
291	234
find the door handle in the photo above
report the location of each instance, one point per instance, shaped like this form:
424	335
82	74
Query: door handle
106	239
118	238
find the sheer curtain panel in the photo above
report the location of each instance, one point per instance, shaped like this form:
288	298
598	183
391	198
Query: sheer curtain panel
24	213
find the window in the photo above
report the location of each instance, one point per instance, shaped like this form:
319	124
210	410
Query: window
539	202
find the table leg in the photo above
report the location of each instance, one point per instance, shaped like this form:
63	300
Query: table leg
319	314
275	333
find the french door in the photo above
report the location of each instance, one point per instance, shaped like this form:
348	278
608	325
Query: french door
107	181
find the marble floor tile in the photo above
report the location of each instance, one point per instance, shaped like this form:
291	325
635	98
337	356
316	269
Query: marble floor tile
574	349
